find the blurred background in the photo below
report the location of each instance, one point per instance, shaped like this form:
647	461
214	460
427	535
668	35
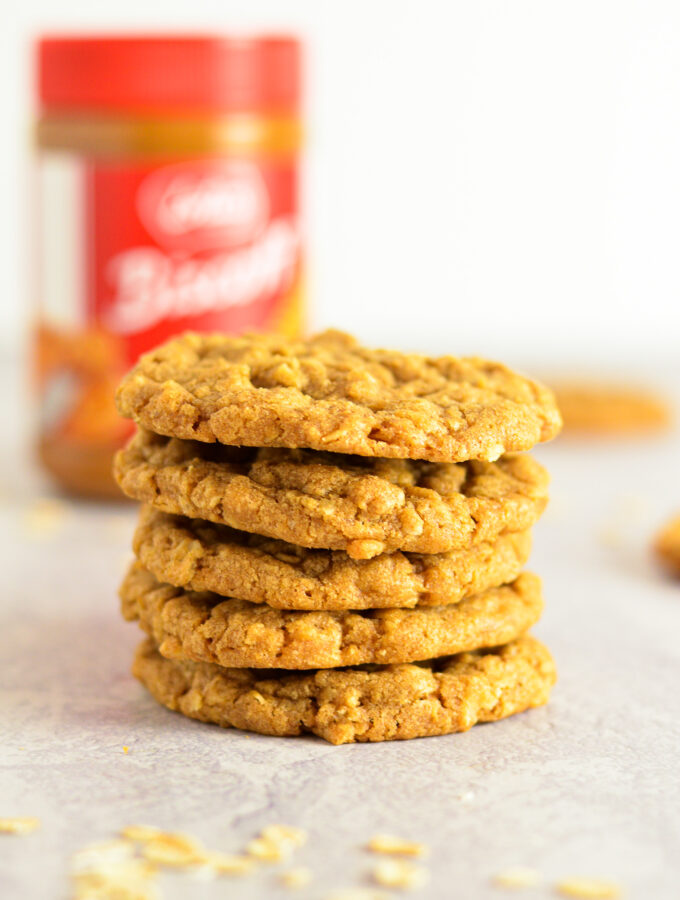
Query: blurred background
495	178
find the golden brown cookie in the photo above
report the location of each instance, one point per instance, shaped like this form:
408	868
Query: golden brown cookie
378	703
204	556
330	393
601	408
205	627
667	546
362	506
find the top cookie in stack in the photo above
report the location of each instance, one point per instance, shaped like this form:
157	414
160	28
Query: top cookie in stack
330	393
323	476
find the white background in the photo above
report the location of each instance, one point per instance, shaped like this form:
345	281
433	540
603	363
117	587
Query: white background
497	177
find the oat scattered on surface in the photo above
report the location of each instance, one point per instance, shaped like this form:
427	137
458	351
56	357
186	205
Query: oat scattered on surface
126	750
588	889
186	852
132	880
276	843
229	864
109	870
19	824
467	797
287	834
45	517
102	855
125	868
140	833
400	873
167	849
517	877
387	843
298	877
266	851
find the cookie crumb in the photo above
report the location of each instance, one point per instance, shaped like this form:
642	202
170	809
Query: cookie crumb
126	750
517	877
588	889
387	843
399	873
19	825
296	878
276	842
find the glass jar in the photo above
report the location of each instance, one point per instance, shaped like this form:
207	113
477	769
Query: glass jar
167	189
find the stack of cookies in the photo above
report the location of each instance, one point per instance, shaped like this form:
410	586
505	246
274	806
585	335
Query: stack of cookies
332	537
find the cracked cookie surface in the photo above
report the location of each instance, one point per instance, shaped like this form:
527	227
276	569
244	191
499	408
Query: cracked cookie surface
382	703
205	627
204	556
330	393
362	506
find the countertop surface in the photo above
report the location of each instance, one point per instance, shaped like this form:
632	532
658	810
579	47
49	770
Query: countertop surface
587	786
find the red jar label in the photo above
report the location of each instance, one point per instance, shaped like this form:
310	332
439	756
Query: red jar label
132	254
211	245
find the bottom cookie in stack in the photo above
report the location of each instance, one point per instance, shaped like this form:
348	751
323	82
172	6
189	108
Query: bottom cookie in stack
347	675
372	703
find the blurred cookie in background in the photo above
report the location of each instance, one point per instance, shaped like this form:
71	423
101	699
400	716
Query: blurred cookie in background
594	407
666	546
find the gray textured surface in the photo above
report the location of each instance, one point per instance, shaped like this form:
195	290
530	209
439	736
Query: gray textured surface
589	785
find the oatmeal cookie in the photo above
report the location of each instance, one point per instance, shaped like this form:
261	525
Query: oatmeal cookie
204	556
330	393
601	408
667	546
362	506
379	703
205	627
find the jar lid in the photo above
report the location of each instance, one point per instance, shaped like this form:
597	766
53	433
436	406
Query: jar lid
169	74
